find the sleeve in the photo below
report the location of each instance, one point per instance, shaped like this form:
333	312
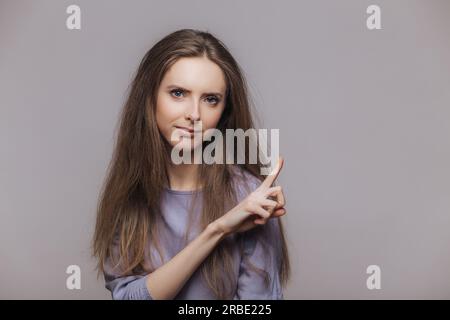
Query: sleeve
261	251
129	288
132	287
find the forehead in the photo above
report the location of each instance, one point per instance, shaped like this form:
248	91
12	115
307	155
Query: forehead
195	74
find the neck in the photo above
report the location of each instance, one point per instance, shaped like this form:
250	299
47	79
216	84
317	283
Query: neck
183	177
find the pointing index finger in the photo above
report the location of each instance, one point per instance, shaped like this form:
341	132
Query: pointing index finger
274	174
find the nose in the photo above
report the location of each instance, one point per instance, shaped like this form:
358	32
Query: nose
193	114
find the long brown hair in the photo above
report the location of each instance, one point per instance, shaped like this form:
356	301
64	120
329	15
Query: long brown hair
129	202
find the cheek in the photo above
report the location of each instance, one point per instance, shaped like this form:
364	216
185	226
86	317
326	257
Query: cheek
211	117
166	114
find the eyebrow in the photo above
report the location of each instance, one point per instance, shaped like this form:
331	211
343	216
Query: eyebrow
174	86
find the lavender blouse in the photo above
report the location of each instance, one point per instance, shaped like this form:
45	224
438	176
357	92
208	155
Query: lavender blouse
250	284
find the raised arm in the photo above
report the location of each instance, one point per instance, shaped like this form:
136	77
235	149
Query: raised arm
167	280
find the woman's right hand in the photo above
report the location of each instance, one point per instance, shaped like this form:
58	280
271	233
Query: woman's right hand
256	208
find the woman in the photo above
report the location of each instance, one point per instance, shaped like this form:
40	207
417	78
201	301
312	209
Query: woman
144	240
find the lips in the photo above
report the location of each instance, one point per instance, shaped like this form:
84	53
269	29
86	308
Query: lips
190	130
187	129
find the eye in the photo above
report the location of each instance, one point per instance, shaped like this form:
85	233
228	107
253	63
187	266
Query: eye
213	100
174	92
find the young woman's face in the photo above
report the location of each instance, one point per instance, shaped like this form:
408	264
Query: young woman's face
193	89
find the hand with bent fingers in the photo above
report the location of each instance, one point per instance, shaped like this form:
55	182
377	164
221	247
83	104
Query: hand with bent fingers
257	207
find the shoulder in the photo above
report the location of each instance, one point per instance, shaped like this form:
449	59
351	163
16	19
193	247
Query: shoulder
263	238
243	181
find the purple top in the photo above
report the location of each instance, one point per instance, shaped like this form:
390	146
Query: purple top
250	284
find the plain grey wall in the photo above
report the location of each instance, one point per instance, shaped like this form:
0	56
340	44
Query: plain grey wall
364	119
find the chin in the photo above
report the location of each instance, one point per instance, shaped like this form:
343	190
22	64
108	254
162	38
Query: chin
184	144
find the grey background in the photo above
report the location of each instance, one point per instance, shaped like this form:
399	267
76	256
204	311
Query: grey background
364	128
